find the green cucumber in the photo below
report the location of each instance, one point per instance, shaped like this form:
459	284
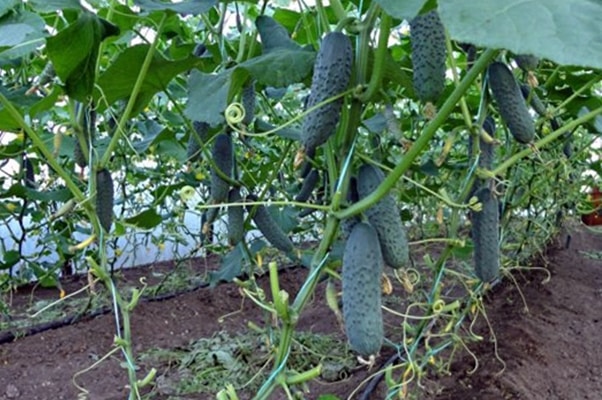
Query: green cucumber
533	99
309	184
236	218
248	102
332	72
485	235
362	270
429	53
197	138
222	153
385	217
269	227
510	102
104	198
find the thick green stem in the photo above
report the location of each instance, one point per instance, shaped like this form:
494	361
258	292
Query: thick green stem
423	140
379	58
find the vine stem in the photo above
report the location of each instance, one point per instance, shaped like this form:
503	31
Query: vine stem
423	141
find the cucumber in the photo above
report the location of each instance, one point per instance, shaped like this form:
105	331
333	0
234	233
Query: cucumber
248	102
526	62
362	270
384	216
332	72
427	37
309	184
87	124
533	99
104	198
197	138
269	227
485	235
29	179
222	154
236	218
510	102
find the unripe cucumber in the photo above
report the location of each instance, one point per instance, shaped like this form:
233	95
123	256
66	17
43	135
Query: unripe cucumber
29	179
384	216
270	228
248	102
526	62
427	37
309	184
222	154
510	102
87	125
485	235
236	218
104	198
332	72
533	99
362	270
197	138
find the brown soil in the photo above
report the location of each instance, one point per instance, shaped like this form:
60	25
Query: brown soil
550	352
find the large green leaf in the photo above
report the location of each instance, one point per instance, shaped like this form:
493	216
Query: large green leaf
281	67
54	5
74	50
566	32
147	219
406	9
210	94
6	6
118	80
194	7
20	34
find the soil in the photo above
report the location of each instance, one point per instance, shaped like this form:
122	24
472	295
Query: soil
550	351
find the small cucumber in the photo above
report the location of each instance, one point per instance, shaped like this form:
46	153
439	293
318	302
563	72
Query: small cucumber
362	270
104	198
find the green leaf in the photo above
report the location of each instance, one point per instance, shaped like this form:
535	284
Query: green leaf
406	9
74	50
7	5
231	266
566	32
210	94
273	35
20	34
147	219
194	7
11	258
54	5
118	80
281	67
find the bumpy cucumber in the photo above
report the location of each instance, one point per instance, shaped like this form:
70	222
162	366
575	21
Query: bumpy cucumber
362	270
236	218
222	153
197	137
309	184
533	99
270	228
385	217
526	62
427	37
486	236
510	102
29	179
332	71
248	102
104	198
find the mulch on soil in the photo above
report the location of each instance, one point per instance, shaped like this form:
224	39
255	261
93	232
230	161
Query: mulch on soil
550	352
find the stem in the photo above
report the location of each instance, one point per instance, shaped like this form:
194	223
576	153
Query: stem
424	139
379	58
